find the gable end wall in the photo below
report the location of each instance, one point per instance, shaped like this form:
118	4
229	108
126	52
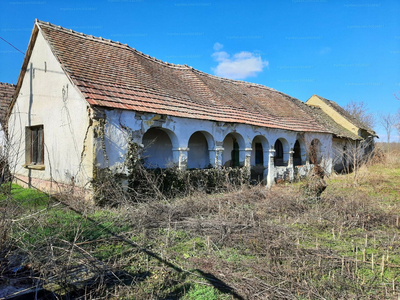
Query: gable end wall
315	101
47	97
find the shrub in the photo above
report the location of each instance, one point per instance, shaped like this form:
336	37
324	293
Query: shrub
141	184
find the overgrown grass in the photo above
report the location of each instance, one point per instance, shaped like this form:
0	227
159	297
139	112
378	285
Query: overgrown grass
13	193
248	244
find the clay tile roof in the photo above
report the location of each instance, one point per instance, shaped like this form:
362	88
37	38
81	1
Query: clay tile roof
325	120
113	75
6	95
347	116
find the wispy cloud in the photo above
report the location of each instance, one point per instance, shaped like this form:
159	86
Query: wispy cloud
324	51
240	66
218	46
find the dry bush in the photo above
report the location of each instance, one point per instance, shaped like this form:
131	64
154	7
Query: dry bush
258	223
249	242
389	155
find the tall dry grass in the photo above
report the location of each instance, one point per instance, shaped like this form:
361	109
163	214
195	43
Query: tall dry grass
246	243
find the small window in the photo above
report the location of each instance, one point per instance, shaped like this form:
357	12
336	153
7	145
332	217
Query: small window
34	141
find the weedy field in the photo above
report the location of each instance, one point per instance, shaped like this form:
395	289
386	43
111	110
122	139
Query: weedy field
247	243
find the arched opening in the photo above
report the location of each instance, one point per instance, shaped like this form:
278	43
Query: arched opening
232	144
258	161
278	159
259	154
258	146
198	156
281	147
297	161
157	151
315	155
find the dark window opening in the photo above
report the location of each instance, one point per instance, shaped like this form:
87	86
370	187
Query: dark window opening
259	155
297	154
34	146
278	153
235	154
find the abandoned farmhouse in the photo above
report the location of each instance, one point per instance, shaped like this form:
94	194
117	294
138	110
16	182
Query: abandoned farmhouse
80	100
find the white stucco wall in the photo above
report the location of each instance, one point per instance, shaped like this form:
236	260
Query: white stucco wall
3	141
47	97
325	149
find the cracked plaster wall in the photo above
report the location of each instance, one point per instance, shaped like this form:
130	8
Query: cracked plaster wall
120	125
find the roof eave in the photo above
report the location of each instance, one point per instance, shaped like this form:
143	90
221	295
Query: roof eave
27	57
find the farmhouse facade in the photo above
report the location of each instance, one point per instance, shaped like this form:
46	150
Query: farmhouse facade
80	100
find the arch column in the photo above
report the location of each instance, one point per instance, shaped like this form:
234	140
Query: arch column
180	157
286	155
291	165
271	167
216	157
244	157
266	164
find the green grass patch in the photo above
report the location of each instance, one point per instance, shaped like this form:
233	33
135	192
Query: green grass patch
199	292
26	198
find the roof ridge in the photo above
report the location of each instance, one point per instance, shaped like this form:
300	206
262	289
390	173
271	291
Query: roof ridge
6	83
175	90
232	80
146	56
112	43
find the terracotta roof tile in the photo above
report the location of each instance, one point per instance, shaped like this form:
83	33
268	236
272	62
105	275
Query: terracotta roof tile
6	95
113	75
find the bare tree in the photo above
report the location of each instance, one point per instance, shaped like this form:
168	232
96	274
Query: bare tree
359	110
397	125
397	95
354	155
388	121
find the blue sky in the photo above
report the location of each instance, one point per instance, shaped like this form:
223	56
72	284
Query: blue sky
341	50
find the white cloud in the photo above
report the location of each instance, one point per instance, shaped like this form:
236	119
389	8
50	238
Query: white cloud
240	66
218	46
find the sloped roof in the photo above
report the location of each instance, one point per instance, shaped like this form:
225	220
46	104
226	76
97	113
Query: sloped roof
112	75
346	115
330	124
6	95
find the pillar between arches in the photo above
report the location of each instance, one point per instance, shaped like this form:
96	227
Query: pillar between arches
180	157
271	168
244	157
216	157
291	165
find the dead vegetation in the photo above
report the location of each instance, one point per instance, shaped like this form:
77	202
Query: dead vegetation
245	243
